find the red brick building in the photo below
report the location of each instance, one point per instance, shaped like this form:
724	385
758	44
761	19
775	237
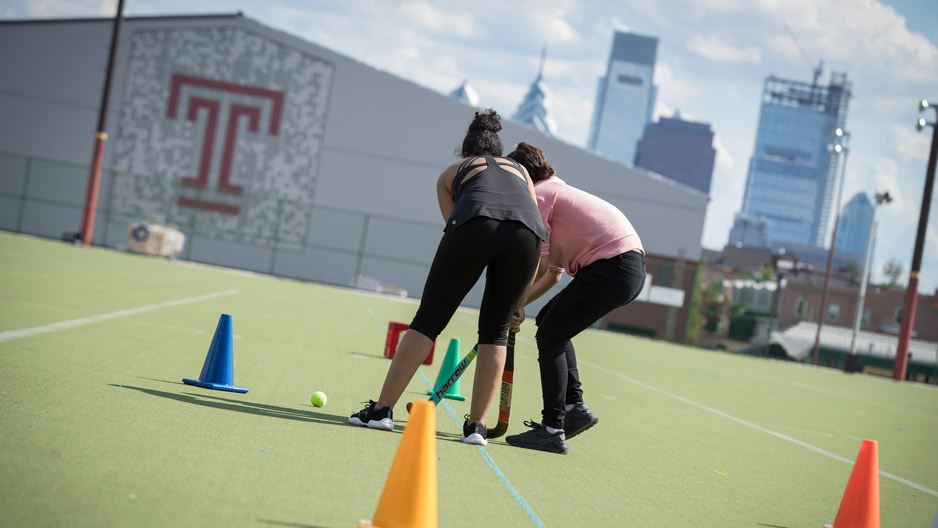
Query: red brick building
651	319
882	310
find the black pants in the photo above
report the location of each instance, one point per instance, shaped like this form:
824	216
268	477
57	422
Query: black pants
506	249
596	290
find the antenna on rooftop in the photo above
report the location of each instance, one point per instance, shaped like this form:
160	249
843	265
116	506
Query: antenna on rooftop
819	69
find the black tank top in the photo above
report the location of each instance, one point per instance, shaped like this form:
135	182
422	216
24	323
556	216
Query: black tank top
494	193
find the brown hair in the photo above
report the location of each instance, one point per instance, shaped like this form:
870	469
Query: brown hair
533	159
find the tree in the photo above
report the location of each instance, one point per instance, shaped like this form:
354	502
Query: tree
768	273
892	270
853	269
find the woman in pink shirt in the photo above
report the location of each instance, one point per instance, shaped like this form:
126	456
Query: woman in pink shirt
596	244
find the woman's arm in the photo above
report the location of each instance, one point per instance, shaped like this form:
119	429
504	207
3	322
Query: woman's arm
444	190
543	280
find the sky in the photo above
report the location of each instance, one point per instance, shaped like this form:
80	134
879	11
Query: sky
713	57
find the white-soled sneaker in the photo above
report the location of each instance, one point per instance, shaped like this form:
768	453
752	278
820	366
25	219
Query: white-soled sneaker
474	433
381	419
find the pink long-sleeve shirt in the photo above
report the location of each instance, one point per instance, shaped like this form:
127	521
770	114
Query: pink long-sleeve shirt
582	228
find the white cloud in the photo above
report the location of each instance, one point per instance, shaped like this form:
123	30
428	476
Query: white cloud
909	144
619	25
714	48
931	241
723	154
886	177
661	110
671	87
70	8
461	23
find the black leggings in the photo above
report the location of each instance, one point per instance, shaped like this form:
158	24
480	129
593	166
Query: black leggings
597	289
506	249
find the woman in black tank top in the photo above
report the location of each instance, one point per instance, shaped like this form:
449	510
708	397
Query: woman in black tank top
492	225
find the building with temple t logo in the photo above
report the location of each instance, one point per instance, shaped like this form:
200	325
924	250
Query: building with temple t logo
272	154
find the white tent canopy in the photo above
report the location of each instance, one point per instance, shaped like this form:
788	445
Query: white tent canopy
798	342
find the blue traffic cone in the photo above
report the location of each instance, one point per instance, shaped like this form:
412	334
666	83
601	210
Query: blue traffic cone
218	370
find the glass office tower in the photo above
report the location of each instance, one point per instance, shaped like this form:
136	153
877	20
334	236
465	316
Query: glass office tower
625	97
853	231
792	177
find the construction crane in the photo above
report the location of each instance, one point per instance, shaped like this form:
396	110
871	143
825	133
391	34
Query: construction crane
816	69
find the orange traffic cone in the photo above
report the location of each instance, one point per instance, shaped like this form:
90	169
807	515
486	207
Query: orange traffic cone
860	506
409	497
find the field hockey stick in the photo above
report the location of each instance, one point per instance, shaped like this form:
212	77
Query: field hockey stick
504	404
439	392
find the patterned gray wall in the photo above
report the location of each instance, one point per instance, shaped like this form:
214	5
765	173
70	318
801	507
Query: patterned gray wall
236	118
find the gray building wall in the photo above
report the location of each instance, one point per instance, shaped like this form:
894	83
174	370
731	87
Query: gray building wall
356	197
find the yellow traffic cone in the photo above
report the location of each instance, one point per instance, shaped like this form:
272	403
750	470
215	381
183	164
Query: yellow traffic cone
409	496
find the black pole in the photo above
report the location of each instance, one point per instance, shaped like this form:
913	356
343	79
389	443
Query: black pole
100	137
911	292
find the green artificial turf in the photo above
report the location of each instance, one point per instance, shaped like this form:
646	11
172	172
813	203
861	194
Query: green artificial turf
98	429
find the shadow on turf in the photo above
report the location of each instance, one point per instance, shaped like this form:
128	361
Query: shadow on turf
291	524
771	525
355	353
261	409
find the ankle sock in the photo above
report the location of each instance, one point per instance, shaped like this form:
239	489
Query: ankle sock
569	407
551	430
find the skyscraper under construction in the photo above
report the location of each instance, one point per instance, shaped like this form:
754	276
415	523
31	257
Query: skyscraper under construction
792	177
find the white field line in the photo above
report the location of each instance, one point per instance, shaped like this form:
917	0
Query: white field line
751	425
140	321
73	323
870	402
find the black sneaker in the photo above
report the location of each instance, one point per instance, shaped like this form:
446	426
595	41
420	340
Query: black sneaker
539	438
578	419
373	418
474	433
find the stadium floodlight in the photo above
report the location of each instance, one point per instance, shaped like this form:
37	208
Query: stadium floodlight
911	291
841	139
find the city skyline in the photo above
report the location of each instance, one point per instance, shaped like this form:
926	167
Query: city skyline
712	58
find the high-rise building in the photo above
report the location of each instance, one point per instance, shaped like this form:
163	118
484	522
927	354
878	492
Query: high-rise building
749	232
533	110
680	150
466	94
792	176
854	226
625	97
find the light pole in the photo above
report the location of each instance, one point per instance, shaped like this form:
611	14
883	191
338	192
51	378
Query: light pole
100	137
911	292
839	147
880	199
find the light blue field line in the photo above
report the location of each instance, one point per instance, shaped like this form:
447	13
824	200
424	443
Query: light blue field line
485	454
752	425
498	472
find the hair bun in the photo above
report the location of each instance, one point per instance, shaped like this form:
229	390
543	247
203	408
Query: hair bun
487	120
